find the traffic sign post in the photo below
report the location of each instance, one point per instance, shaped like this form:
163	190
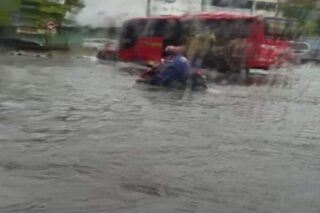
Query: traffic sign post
51	30
51	27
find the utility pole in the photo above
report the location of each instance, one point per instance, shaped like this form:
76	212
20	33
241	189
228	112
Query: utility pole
148	9
278	8
253	7
203	5
189	6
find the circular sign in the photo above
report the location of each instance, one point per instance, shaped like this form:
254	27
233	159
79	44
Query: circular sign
50	25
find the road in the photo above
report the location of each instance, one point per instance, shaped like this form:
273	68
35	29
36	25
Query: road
79	136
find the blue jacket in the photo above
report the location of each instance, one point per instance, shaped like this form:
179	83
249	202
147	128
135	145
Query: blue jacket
177	71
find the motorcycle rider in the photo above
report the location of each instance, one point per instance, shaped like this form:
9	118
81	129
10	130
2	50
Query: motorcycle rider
176	72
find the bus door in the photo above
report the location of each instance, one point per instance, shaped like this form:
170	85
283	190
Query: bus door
129	38
158	34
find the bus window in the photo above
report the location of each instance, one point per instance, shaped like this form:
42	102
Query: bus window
163	28
226	30
242	4
131	32
173	31
245	5
156	28
243	28
266	6
221	3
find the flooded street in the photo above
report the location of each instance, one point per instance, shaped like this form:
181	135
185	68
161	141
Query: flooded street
78	136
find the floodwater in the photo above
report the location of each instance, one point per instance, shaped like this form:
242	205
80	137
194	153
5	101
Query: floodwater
78	136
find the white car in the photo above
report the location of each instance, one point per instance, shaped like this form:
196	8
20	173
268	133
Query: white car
314	53
301	51
97	43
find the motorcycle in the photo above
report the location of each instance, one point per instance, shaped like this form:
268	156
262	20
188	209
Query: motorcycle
196	81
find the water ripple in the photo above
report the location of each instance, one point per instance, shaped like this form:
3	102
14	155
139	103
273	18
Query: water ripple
78	136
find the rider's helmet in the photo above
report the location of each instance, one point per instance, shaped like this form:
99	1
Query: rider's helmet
172	50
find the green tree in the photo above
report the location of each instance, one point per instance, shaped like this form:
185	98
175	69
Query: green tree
57	12
299	11
310	28
34	13
305	12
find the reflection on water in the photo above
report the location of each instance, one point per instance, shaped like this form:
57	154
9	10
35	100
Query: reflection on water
79	136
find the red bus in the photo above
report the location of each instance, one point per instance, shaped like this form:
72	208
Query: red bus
242	41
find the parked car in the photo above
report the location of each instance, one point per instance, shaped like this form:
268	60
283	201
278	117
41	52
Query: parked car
96	43
109	52
314	53
22	44
301	52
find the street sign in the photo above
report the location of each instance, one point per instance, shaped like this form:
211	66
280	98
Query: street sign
50	25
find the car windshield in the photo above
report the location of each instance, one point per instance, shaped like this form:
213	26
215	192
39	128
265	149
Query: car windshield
314	43
300	46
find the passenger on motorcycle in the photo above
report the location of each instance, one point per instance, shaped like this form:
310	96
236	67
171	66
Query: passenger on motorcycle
176	72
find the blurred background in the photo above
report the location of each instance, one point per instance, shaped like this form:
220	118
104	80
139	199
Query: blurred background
61	24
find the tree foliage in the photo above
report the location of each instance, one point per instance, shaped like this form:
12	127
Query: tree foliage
74	6
299	12
305	12
58	12
33	13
